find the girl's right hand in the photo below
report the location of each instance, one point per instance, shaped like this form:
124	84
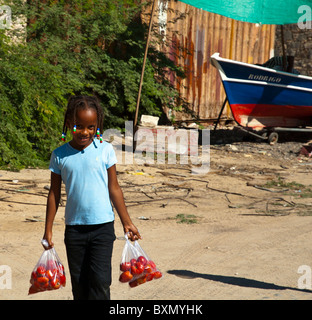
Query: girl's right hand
47	242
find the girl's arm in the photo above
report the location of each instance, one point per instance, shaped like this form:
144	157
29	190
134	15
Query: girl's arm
52	206
117	198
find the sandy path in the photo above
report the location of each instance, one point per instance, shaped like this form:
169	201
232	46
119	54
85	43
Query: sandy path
236	250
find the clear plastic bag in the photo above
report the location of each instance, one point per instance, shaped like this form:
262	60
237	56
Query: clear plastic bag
135	266
48	274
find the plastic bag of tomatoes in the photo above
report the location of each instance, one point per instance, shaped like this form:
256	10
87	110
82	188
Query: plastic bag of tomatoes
48	274
136	267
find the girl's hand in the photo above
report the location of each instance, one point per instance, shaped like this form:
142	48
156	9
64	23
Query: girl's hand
47	244
132	232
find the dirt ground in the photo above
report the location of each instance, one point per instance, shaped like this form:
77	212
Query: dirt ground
240	231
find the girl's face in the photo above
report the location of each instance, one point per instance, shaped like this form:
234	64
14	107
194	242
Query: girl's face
86	125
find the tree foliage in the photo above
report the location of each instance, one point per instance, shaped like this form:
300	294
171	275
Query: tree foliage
57	48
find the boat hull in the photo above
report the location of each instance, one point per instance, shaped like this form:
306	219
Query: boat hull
263	98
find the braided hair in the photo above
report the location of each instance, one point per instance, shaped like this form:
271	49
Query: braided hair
83	102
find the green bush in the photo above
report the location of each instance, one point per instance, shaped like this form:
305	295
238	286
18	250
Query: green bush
69	47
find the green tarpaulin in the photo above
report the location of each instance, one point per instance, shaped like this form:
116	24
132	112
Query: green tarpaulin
258	11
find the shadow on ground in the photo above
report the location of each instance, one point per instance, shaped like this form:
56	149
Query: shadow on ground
235	281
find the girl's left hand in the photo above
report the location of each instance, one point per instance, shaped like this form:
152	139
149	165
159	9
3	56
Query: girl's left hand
132	232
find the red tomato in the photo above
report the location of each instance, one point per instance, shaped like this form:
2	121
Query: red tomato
152	264
51	274
133	262
60	268
133	270
55	283
148	268
157	274
37	284
149	276
42	280
133	284
62	280
41	271
138	268
33	289
141	280
142	260
125	266
125	276
34	275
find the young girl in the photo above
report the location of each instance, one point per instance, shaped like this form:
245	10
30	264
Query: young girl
87	167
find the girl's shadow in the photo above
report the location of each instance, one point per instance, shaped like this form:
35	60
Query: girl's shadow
236	281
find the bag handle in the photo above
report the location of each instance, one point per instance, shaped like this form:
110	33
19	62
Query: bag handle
127	238
45	243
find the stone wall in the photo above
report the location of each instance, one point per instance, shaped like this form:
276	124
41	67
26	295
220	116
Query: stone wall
298	43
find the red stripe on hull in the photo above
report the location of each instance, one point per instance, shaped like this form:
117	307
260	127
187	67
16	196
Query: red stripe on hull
259	116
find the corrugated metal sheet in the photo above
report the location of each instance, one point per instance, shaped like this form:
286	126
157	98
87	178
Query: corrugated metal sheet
201	34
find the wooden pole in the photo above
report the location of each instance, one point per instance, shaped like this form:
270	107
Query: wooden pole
143	67
228	110
220	114
283	48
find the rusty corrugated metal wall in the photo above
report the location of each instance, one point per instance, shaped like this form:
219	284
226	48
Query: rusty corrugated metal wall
203	33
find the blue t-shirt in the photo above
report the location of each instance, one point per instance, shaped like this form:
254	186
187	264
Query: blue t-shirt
84	174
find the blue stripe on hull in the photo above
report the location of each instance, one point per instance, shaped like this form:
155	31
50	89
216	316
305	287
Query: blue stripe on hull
238	71
248	93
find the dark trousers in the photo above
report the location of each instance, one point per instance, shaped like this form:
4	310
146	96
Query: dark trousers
89	252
